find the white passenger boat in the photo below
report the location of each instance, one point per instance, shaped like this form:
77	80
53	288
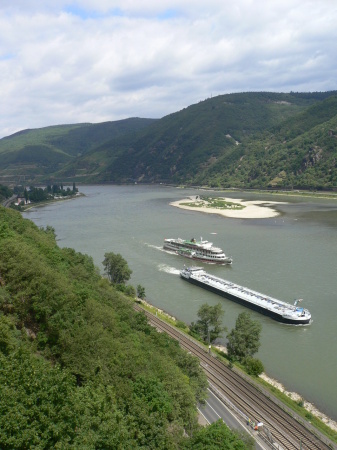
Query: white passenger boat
198	250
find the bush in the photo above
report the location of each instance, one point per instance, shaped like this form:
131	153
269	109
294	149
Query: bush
254	366
181	324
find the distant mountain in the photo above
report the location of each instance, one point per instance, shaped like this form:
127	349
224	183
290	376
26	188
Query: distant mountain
30	155
259	139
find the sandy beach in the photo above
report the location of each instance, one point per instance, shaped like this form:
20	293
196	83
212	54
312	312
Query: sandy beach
255	209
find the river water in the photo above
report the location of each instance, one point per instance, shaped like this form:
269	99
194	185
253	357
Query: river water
291	256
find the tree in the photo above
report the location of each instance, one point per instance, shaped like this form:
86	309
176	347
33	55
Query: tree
209	325
140	292
116	268
130	291
244	339
218	436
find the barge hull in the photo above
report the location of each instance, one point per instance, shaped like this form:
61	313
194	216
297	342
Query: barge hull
243	302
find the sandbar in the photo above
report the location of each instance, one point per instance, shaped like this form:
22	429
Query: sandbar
253	209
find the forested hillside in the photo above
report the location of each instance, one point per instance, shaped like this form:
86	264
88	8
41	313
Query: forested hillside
300	152
5	193
259	140
79	368
31	154
246	140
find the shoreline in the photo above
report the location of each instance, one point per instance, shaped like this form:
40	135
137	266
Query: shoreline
297	398
252	209
271	381
294	396
47	202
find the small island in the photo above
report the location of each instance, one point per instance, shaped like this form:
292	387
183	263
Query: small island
253	209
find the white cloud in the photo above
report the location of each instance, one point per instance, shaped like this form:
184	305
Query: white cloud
74	61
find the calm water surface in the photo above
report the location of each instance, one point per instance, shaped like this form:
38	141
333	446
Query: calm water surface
291	256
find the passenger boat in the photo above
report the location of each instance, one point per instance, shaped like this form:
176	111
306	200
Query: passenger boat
269	306
198	250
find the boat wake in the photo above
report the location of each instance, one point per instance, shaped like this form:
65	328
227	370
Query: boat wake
168	269
156	247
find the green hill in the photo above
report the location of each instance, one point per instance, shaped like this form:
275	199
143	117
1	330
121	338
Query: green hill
31	154
254	139
300	152
79	368
206	143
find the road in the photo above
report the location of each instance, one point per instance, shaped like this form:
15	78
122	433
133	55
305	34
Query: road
214	409
8	201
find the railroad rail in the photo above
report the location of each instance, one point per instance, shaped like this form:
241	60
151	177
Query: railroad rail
282	427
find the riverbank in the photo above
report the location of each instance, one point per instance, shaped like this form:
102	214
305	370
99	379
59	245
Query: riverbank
293	396
54	200
297	398
237	209
309	407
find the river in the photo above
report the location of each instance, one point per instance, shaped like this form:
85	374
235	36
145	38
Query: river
290	256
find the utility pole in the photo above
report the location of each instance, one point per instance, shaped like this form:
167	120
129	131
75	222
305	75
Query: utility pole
209	340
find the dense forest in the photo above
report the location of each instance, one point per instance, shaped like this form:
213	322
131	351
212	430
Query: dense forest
244	140
79	368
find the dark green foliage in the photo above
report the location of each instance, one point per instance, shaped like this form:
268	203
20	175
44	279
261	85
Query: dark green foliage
181	324
209	325
130	291
44	151
180	146
218	436
254	366
41	407
230	140
79	367
140	291
246	140
5	192
116	268
244	339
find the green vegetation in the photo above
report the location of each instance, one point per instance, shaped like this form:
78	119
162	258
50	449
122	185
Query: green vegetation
140	292
296	406
116	268
111	377
246	140
219	437
300	410
209	325
31	156
210	202
244	342
5	193
79	368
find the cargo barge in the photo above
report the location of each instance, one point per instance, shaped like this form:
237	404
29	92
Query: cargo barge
271	307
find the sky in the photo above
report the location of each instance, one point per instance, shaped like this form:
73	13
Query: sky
75	61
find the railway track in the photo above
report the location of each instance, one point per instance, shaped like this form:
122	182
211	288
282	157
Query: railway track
258	407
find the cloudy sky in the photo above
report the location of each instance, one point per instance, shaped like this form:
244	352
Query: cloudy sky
70	61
